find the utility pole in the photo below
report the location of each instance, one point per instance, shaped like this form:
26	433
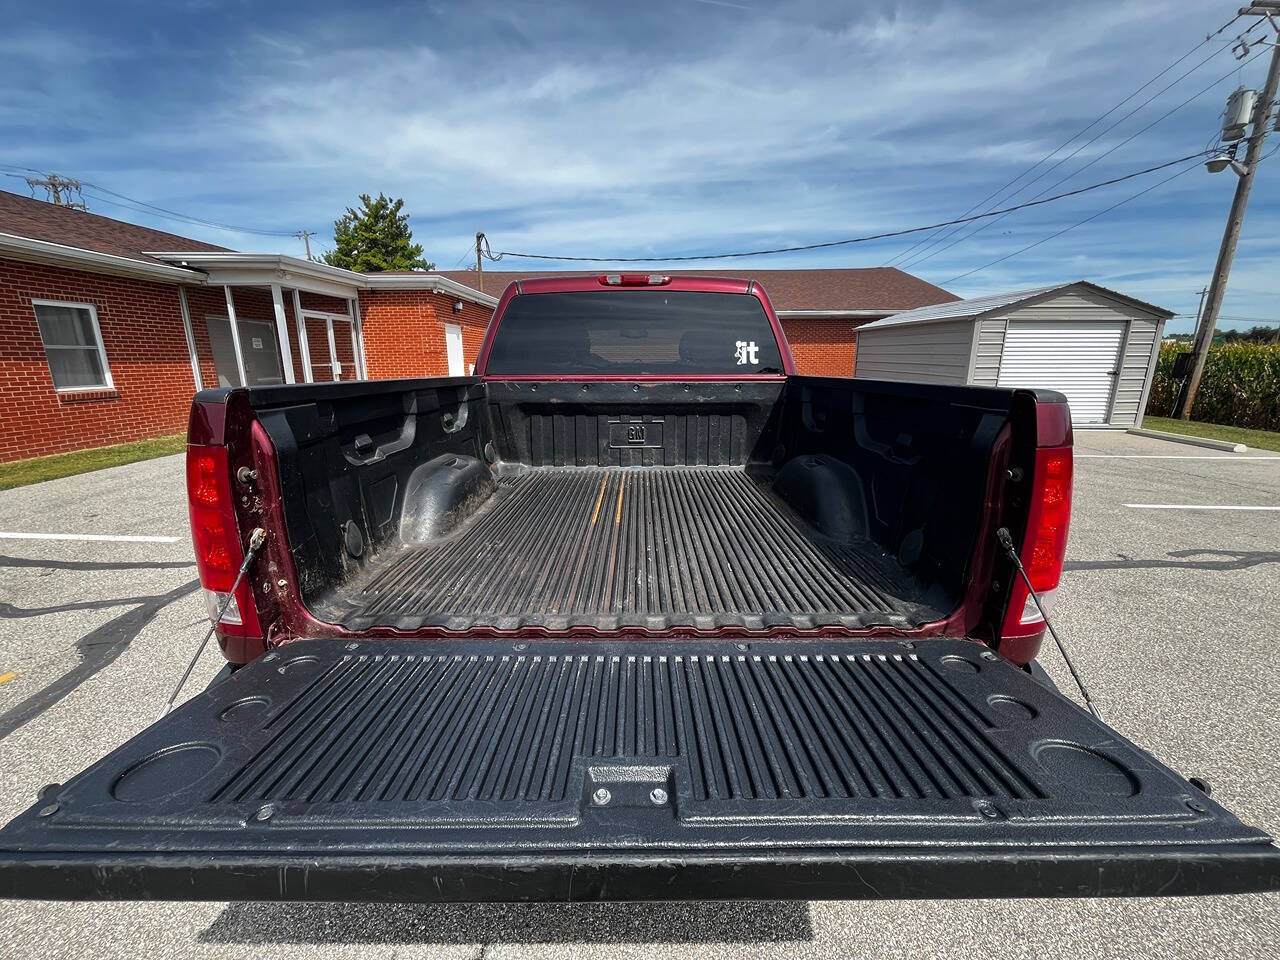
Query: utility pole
479	263
1231	235
55	186
305	236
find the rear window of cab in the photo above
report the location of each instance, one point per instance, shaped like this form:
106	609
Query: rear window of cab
634	332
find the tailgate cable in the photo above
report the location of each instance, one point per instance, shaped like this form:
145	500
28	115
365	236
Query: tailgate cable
256	540
1006	541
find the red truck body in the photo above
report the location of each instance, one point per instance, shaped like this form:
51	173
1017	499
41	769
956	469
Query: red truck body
288	617
635	613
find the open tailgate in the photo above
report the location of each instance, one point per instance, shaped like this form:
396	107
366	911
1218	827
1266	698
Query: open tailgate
609	771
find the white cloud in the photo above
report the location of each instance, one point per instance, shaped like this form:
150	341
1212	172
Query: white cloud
688	127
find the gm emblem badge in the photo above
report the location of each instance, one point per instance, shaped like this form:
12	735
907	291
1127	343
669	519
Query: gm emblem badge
635	433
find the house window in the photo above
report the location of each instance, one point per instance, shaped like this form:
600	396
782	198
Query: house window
73	345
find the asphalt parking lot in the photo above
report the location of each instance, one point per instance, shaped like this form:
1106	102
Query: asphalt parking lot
1172	614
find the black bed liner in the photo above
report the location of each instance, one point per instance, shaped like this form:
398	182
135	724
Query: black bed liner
595	771
650	547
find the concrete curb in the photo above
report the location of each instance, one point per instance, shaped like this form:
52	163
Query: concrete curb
1194	441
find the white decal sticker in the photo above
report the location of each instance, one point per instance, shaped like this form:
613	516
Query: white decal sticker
257	343
747	352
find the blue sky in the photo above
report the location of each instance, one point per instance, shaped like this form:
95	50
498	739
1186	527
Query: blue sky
664	128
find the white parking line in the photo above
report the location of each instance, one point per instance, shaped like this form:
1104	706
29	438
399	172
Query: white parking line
103	537
1193	506
1165	456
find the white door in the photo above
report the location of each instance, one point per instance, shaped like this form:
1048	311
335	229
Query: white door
453	349
258	345
1080	360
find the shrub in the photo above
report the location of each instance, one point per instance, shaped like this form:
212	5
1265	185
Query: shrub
1240	387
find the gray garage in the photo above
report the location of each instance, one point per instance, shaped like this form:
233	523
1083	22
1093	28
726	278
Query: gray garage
1095	345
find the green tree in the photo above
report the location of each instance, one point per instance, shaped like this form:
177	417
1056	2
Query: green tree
375	237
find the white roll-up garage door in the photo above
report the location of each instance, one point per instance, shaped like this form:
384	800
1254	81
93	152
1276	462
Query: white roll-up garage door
1078	359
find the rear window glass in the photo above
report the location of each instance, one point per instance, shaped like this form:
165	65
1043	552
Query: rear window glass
634	332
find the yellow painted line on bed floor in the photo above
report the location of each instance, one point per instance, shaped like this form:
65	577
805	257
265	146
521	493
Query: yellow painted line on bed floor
617	514
6	677
599	499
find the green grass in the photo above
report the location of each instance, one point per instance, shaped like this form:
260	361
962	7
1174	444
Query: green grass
1263	439
21	472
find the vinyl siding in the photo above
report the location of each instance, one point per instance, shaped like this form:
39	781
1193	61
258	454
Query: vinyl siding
1087	306
927	352
937	350
990	347
1134	367
1075	306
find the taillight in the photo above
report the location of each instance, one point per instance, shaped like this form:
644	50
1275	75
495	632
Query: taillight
634	279
216	539
1045	543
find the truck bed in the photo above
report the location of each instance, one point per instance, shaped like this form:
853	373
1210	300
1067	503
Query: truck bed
442	507
646	547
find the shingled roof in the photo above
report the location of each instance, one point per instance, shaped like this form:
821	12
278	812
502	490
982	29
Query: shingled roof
40	220
835	290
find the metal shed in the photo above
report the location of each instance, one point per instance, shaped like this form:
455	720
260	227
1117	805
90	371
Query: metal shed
1095	345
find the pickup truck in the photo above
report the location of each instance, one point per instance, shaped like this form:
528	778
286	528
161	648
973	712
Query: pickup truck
634	612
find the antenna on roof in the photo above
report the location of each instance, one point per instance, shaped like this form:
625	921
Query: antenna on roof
59	190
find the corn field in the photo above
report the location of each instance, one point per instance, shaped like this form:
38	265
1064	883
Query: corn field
1240	387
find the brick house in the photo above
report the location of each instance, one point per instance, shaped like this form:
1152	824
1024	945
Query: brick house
820	310
107	328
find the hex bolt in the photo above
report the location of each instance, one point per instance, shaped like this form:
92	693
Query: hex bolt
282	582
658	796
988	811
264	812
50	810
353	646
601	797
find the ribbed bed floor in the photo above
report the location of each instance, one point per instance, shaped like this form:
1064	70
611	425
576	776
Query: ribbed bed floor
649	547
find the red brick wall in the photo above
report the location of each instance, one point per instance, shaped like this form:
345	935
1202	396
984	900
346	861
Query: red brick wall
141	326
321	303
404	332
823	348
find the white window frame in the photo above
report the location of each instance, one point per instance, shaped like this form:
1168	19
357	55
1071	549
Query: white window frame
97	336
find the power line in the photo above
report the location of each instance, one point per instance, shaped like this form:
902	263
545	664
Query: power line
1086	129
467	254
175	215
1079	223
957	234
1061	180
840	243
142	206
